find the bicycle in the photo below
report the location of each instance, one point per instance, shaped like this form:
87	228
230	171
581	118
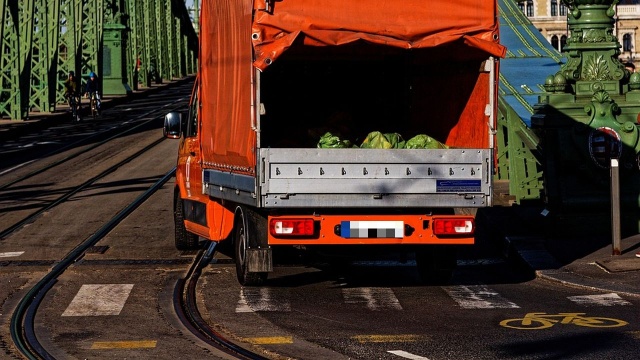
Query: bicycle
74	101
537	321
93	105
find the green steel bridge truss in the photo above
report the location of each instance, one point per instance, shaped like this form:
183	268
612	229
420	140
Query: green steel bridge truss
125	42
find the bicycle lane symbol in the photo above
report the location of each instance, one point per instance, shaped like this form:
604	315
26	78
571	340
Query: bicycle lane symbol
538	321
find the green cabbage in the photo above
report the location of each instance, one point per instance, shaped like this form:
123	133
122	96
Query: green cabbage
424	142
396	140
376	140
330	141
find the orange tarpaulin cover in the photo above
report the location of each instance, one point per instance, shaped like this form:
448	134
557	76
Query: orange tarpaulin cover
399	23
229	28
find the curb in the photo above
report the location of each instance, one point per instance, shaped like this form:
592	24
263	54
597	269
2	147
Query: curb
531	252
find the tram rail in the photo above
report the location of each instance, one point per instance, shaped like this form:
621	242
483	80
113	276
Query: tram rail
120	128
22	328
22	321
137	122
187	309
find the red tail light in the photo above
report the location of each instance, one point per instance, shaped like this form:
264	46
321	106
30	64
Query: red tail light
291	227
453	226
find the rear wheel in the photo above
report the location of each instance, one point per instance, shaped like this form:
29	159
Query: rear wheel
184	239
436	264
94	107
246	236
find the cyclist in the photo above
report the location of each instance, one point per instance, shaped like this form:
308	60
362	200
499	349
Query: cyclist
92	88
71	87
71	94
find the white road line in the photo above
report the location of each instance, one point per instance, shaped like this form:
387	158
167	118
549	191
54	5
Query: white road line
99	300
478	297
11	254
407	355
481	262
599	300
375	298
16	167
411	263
260	299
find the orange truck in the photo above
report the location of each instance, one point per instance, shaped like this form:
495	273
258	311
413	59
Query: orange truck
276	77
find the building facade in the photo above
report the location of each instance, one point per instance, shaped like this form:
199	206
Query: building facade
550	17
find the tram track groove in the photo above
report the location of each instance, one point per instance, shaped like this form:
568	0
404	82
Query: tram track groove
30	218
22	320
22	323
74	155
185	305
157	114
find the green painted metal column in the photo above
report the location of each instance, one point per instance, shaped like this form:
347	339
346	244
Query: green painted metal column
161	41
135	43
70	50
43	49
518	156
92	15
114	76
11	94
150	62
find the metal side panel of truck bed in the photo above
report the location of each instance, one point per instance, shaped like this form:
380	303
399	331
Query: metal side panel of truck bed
418	178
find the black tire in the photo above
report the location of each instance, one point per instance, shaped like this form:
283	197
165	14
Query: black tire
76	114
245	235
94	109
184	239
436	264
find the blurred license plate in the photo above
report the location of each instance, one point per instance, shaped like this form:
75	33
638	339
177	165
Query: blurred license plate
372	229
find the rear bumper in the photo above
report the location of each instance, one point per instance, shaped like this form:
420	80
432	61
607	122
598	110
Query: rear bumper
373	230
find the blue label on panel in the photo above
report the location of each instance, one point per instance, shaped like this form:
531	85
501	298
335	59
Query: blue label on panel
345	229
458	186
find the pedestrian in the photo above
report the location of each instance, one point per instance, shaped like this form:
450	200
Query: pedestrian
92	88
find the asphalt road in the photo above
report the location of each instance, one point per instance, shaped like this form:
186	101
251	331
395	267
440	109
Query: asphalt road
117	302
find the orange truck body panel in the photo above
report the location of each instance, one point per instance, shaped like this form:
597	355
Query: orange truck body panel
228	43
241	39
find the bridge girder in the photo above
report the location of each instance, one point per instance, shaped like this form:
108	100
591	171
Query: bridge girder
42	40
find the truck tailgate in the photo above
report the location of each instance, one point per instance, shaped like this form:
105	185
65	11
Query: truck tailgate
374	177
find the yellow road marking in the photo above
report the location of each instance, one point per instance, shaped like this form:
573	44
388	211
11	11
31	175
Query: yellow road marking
101	345
271	340
387	338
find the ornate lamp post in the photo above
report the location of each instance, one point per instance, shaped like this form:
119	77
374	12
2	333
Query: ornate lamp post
589	115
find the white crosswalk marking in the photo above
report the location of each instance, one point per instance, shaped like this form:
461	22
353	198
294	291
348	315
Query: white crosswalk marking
599	300
11	254
407	355
478	297
260	299
99	300
374	298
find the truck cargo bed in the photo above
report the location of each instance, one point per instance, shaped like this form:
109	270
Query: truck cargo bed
361	178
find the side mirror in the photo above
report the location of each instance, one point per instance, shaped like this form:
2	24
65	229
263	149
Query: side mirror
172	125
